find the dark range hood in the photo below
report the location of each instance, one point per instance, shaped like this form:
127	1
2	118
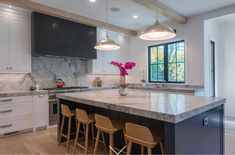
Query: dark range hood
52	36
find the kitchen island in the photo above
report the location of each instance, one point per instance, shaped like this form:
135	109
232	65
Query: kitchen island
189	124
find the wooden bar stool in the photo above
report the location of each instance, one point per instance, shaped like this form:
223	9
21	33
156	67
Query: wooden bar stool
141	135
105	125
66	113
84	119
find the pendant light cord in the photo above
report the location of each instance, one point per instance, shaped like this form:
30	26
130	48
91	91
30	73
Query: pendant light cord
157	9
106	25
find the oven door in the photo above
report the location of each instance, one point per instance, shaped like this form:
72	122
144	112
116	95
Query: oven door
53	111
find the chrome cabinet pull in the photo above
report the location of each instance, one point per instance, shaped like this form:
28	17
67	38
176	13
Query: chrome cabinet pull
6	126
6	100
6	111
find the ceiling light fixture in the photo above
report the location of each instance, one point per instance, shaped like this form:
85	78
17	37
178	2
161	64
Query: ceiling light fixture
107	44
157	31
135	16
92	1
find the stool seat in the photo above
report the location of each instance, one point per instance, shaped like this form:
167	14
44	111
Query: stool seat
142	135
109	126
85	120
66	113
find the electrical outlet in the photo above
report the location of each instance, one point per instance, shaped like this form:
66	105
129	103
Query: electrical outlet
205	121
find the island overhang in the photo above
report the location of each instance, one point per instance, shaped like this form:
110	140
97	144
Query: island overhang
163	106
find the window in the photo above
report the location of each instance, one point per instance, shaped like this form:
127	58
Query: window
167	62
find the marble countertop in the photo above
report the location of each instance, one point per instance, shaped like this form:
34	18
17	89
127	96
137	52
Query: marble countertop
170	89
22	93
164	106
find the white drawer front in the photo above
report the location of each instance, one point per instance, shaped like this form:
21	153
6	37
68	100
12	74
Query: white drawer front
11	113
15	126
14	101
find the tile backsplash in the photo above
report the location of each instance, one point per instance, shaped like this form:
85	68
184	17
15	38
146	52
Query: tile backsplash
45	71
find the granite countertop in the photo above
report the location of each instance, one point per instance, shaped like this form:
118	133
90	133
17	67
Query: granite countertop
22	93
164	106
179	90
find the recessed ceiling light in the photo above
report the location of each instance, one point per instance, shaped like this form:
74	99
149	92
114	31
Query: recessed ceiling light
135	16
92	1
114	9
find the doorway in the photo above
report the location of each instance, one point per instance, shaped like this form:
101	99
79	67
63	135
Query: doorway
212	49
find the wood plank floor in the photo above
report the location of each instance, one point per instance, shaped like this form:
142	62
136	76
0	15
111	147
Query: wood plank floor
45	142
41	142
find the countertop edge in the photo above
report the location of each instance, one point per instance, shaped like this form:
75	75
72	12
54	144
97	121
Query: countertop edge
23	93
139	112
194	112
149	114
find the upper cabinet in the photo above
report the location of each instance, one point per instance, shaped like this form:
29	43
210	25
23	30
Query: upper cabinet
102	65
15	54
59	37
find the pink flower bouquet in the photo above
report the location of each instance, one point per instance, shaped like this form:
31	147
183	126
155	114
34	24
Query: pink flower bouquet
123	67
123	71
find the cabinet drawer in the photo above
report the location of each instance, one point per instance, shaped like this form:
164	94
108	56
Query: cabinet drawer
16	125
11	113
14	101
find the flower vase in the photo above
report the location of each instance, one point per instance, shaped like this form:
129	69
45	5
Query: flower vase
123	90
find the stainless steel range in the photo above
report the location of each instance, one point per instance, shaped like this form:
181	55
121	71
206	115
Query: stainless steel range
53	100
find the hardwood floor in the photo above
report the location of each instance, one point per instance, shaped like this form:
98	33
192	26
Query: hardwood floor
45	142
41	142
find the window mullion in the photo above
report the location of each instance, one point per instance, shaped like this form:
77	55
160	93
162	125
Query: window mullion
176	65
166	62
157	63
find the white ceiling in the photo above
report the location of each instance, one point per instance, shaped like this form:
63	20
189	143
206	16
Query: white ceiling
128	8
193	7
224	19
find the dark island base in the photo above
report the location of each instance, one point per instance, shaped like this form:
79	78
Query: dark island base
201	134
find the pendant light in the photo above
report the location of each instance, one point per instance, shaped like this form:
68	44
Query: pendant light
107	44
157	31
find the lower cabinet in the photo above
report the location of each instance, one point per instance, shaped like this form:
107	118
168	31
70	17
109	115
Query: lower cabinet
15	114
23	113
40	111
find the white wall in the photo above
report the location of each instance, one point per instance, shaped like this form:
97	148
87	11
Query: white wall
193	33
227	38
211	33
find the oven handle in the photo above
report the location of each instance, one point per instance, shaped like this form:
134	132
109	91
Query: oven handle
53	100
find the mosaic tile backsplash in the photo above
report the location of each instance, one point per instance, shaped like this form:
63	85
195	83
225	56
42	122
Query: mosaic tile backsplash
45	71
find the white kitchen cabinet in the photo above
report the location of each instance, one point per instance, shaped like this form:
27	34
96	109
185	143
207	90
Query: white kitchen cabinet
15	114
15	54
4	42
101	65
40	111
19	113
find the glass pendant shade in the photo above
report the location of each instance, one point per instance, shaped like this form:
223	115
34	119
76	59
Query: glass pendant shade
107	44
157	32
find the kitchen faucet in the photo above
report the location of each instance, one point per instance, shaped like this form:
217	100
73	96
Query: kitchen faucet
163	83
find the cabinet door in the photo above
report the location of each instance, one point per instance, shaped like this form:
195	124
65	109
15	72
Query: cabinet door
4	42
41	110
20	57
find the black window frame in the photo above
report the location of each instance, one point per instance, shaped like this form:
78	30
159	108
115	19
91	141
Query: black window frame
165	62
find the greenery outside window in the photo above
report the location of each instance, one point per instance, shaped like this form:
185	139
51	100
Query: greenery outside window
167	62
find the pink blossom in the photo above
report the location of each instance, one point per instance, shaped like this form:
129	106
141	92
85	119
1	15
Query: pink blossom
129	65
123	68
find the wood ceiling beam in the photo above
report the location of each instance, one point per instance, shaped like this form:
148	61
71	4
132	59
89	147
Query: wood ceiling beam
163	10
33	6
